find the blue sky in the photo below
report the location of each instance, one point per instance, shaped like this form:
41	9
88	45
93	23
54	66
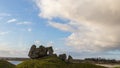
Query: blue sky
72	27
20	26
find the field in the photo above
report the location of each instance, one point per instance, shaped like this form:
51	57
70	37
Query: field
110	65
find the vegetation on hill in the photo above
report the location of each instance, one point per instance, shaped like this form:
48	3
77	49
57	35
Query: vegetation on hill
102	60
117	67
53	62
5	64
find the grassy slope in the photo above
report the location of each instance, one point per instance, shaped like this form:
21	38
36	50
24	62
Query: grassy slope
84	65
53	62
5	64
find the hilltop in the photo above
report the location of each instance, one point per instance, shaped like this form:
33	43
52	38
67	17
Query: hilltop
53	62
43	57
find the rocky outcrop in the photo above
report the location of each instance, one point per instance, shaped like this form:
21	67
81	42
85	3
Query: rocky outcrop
62	57
42	51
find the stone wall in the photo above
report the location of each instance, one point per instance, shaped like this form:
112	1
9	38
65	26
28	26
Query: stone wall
42	51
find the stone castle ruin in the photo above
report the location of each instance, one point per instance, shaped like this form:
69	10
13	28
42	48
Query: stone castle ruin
41	51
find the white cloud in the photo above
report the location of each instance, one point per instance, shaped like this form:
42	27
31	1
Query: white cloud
19	22
81	10
8	51
51	43
4	14
29	29
13	53
4	33
64	27
12	20
37	42
24	23
94	26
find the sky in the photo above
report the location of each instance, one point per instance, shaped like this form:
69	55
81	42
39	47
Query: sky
81	28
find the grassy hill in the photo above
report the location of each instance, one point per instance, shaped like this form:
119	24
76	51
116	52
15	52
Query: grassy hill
53	62
5	64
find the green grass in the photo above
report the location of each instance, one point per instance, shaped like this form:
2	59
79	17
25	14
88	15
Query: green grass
53	62
45	62
84	65
5	64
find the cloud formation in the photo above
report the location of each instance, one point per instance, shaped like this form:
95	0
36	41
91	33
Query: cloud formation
11	20
29	29
14	20
7	51
4	33
24	23
94	24
4	14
